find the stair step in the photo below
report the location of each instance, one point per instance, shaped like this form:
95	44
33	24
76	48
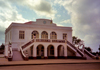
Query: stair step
14	49
17	56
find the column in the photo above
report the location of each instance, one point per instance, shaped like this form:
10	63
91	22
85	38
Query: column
40	35
65	51
45	52
34	52
55	52
48	35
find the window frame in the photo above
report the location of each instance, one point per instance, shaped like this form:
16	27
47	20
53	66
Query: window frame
21	34
64	36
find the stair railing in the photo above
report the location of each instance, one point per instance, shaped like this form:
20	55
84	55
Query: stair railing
24	46
90	54
75	48
23	55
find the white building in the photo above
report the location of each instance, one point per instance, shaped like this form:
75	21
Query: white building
40	38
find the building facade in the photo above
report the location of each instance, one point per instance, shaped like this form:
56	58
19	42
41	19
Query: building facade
40	39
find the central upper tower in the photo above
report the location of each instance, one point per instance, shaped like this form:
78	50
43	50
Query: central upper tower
44	21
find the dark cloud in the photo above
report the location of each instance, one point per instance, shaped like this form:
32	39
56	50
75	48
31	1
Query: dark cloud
41	7
2	35
85	18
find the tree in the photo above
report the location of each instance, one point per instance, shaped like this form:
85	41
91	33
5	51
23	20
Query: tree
88	49
74	39
77	41
99	48
2	46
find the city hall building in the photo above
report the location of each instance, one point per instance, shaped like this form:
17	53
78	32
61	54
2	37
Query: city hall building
39	39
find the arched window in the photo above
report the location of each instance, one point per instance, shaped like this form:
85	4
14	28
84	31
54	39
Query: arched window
53	35
44	35
36	34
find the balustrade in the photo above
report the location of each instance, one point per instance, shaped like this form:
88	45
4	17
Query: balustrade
42	40
30	42
75	48
59	41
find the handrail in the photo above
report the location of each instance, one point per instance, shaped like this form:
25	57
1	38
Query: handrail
28	43
25	43
23	55
90	54
22	52
23	46
75	48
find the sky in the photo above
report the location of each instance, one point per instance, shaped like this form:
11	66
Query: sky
82	15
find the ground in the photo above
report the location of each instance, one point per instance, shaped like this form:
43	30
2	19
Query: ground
92	66
50	64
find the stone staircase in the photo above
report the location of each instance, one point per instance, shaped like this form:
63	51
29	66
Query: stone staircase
77	50
17	55
88	57
86	54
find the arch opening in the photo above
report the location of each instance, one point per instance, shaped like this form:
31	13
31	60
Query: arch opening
35	34
60	51
50	52
53	35
44	35
40	52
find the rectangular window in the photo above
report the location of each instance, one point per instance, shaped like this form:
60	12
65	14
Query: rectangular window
21	34
64	36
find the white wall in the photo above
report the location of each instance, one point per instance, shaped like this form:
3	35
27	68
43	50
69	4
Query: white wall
38	26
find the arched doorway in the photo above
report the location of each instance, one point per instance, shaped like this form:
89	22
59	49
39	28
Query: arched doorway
50	51
40	51
60	51
35	34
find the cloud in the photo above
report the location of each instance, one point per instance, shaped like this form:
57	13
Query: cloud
85	18
58	15
8	14
2	36
41	7
66	21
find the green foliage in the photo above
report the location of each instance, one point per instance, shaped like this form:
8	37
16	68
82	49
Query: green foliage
79	42
2	47
88	49
76	41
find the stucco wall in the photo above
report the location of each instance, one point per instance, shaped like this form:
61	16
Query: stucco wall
40	27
